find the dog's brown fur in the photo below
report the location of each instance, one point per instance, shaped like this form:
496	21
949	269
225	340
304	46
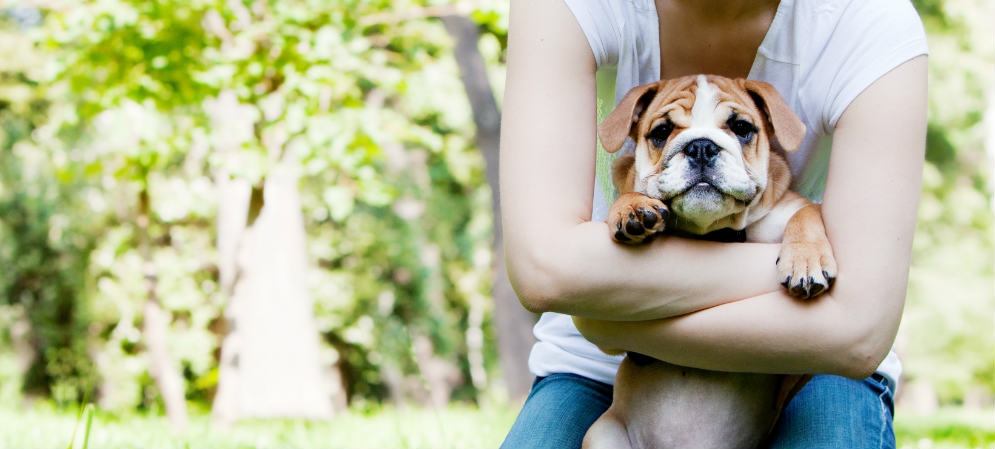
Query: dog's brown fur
660	405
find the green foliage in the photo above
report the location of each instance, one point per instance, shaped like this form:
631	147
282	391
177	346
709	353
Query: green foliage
43	249
163	97
947	336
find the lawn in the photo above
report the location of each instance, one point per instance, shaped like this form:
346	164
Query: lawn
949	428
460	427
452	427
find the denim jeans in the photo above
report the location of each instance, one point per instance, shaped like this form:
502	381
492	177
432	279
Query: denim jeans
830	412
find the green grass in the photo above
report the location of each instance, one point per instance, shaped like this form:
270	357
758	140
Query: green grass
948	428
453	427
456	426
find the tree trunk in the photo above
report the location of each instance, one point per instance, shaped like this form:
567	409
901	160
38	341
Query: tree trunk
270	354
233	210
155	327
271	366
514	323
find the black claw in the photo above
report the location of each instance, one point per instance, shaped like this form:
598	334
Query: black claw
829	279
786	282
817	288
633	227
778	260
618	226
664	213
802	289
798	291
649	218
810	287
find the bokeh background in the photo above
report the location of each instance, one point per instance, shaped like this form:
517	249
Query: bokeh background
249	223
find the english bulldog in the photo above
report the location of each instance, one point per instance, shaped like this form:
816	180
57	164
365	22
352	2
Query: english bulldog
709	162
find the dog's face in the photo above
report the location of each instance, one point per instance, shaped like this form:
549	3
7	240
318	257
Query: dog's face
703	143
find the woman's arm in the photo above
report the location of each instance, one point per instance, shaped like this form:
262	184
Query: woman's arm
557	259
869	209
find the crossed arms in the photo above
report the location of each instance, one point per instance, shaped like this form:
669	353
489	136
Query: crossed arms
703	304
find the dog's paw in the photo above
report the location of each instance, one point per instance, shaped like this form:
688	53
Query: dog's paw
635	218
806	269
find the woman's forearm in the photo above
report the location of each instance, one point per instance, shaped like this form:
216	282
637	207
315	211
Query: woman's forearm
579	270
771	333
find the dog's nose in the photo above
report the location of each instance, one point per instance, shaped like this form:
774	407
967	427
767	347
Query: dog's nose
701	152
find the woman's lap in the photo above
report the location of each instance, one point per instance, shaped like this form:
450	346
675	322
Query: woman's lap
558	412
835	412
830	412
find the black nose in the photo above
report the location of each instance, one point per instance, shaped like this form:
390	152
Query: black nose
701	152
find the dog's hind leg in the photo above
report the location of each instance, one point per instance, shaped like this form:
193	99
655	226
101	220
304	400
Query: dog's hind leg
608	432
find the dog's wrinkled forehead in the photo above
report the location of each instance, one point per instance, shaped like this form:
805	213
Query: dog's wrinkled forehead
701	101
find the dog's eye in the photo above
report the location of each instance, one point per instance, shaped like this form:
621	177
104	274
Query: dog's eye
659	134
742	129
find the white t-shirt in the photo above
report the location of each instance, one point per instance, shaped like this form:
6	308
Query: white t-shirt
819	54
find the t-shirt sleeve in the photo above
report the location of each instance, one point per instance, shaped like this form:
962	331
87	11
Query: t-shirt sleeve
598	20
870	39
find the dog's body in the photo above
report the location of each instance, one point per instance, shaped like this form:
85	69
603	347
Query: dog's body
709	156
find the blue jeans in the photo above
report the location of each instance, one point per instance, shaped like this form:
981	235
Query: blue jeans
830	412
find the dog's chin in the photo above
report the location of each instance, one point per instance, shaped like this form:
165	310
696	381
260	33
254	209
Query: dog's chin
702	205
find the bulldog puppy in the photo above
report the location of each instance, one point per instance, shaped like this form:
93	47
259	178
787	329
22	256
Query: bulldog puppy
709	162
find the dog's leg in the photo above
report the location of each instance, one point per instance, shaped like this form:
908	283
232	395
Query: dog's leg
806	265
635	218
608	432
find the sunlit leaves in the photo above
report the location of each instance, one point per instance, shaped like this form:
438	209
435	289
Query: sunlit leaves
169	95
947	336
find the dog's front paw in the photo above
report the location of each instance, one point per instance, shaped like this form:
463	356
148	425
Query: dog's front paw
806	269
635	218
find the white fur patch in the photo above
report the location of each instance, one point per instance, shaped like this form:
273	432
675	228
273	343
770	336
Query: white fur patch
769	228
705	100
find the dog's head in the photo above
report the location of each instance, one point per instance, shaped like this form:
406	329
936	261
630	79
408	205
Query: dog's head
703	144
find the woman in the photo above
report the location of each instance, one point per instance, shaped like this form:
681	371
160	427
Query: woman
854	71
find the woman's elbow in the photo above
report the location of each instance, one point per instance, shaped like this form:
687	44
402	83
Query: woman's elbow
863	349
534	298
535	280
859	361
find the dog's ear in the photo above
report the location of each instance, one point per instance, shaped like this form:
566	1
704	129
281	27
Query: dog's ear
788	128
620	122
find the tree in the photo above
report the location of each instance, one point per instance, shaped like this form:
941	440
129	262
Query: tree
237	112
158	56
44	248
514	323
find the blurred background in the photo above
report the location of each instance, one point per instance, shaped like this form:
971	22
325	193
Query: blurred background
249	223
